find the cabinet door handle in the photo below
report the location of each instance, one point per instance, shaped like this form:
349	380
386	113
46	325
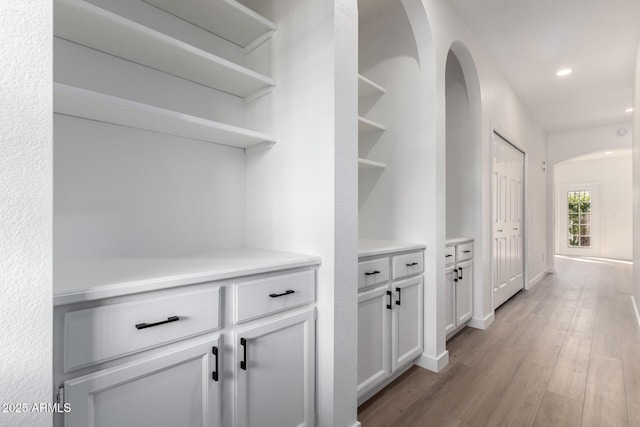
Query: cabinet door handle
151	325
499	231
373	273
515	229
412	264
460	268
287	292
243	362
214	374
466	252
399	291
448	255
389	295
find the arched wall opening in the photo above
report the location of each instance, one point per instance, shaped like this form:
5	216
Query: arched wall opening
401	200
463	160
592	205
392	54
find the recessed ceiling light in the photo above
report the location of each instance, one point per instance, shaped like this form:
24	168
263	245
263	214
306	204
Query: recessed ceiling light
608	152
629	110
564	72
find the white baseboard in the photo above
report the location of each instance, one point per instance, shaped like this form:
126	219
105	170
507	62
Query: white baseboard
537	279
433	364
482	323
635	308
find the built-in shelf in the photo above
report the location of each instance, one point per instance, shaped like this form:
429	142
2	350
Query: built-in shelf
226	18
91	26
370	164
368	88
86	104
366	125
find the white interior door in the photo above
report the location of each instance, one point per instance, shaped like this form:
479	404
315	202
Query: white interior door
508	220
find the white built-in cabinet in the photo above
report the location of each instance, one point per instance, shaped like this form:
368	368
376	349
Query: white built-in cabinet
458	284
234	352
390	315
369	130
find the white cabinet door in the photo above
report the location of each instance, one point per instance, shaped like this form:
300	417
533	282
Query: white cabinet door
406	321
464	292
374	307
450	300
274	370
175	388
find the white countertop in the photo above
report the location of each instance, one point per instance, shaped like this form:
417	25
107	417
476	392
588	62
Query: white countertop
456	240
94	278
371	247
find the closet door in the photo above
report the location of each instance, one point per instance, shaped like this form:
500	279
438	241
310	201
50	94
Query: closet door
508	221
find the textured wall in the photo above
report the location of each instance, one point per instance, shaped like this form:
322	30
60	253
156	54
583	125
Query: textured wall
25	208
636	184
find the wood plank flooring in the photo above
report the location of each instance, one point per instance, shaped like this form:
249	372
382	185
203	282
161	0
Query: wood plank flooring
566	353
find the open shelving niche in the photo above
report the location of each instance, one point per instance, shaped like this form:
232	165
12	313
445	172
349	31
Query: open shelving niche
96	28
368	88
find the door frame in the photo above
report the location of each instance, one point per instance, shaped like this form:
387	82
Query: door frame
495	130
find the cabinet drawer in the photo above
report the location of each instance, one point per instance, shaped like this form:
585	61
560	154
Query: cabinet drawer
98	334
449	255
407	264
464	251
268	295
373	272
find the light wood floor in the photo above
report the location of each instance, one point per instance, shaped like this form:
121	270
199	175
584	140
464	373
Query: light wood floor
566	353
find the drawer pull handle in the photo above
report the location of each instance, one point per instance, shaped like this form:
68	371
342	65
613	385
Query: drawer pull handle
390	297
287	292
399	291
515	229
214	374
460	268
150	325
372	273
412	264
466	252
500	231
243	362
448	255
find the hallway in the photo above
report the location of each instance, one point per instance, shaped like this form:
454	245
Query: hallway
564	354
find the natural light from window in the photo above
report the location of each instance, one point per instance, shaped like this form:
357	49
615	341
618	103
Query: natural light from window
579	209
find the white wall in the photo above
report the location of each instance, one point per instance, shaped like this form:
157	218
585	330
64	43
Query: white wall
614	178
408	200
121	191
501	110
636	183
302	193
568	145
571	144
25	200
460	153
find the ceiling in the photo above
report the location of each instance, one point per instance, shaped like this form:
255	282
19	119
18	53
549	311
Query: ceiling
529	40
